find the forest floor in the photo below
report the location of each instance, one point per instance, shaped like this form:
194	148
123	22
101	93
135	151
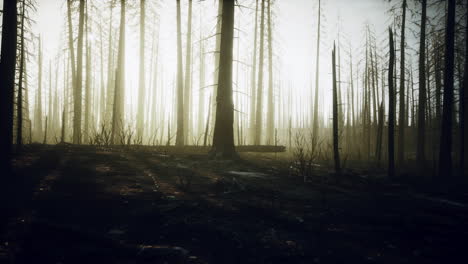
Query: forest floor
86	204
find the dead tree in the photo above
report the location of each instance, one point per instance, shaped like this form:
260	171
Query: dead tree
252	81
445	152
19	107
180	85
271	107
402	112
315	123
7	71
77	102
223	138
141	77
391	110
336	153
259	108
188	74
421	135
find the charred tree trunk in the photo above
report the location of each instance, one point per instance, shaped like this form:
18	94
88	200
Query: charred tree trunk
7	73
223	138
421	135
336	153
391	110
402	112
445	154
463	108
19	107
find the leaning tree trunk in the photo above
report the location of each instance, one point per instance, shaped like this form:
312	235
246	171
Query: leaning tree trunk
7	81
77	102
391	110
402	112
223	138
180	85
258	117
336	153
421	135
445	153
141	79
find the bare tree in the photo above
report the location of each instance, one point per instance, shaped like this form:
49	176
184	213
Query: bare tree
391	110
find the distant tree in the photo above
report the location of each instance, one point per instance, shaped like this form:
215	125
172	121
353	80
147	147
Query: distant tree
223	138
188	74
445	154
180	85
271	107
19	107
253	95
391	110
118	109
141	79
7	82
315	124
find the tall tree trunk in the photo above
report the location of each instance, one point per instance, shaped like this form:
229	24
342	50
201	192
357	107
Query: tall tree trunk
87	93
70	44
38	106
336	153
421	138
19	107
110	74
316	97
253	95
223	138
188	74
464	108
141	79
180	85
271	106
7	81
201	95
77	102
258	117
117	117
402	112
445	154
391	110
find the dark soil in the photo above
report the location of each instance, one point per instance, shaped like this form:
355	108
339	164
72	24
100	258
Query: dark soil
84	204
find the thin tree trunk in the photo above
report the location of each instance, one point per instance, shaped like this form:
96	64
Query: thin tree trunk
188	74
336	153
141	79
391	110
463	108
19	107
271	106
253	94
316	97
402	112
180	85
